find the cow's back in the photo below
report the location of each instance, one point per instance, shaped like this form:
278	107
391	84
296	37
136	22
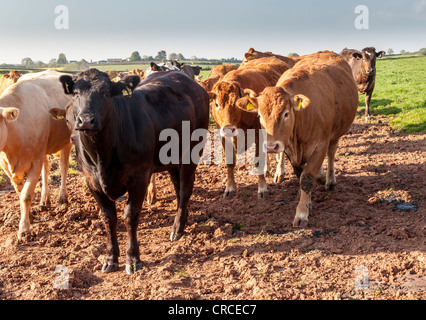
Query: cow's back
326	79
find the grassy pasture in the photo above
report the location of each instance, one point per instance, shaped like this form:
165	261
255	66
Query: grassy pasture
400	93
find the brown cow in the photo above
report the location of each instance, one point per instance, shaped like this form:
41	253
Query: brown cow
225	93
223	69
252	54
363	66
310	108
8	79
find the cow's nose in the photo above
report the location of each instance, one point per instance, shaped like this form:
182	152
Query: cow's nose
85	122
274	147
229	131
370	71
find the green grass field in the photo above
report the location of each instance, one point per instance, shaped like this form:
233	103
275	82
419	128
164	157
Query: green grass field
400	93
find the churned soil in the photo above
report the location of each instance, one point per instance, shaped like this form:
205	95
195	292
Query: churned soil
365	239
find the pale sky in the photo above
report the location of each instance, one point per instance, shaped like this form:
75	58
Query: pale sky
206	29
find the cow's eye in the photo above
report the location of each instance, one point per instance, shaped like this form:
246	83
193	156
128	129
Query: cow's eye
286	114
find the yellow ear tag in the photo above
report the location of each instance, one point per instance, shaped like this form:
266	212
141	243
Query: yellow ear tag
299	105
66	87
250	106
248	58
358	58
59	117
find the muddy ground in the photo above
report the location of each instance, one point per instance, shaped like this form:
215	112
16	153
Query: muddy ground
365	240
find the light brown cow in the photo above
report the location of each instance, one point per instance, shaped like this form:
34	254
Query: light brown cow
223	69
8	79
26	142
252	54
226	92
310	108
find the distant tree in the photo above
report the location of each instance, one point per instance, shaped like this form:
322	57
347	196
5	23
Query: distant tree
403	52
62	59
52	63
27	62
180	57
135	56
422	51
293	54
390	51
161	55
173	56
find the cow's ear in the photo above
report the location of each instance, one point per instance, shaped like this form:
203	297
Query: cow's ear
380	54
124	86
247	56
357	55
300	102
9	114
58	113
67	84
248	104
154	67
131	81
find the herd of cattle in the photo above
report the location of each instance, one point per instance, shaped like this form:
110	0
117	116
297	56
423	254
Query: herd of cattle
304	103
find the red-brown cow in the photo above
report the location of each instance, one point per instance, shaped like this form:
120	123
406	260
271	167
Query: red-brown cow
310	108
236	84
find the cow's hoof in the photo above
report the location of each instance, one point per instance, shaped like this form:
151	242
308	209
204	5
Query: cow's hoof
278	178
132	268
302	224
263	195
109	267
174	236
229	194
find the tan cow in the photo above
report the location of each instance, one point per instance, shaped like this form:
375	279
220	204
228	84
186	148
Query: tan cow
8	79
310	108
226	92
252	54
26	142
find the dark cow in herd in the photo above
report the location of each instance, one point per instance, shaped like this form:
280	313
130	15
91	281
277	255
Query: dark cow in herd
363	65
117	142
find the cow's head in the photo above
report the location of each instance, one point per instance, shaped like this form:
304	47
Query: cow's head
368	57
6	115
93	92
276	109
252	54
226	114
66	114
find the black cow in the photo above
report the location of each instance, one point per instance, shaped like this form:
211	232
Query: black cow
117	144
363	65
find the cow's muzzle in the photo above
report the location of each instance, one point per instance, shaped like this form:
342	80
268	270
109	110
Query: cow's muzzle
273	147
229	131
85	122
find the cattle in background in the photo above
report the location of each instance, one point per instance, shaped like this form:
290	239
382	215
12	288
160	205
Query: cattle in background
118	145
112	74
305	114
255	76
363	65
166	66
190	71
252	54
138	72
223	69
8	79
26	142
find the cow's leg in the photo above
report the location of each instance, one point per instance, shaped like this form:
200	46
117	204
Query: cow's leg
175	178
131	220
64	163
368	96
331	178
230	188
45	190
262	186
307	182
26	196
151	196
187	177
109	215
321	177
279	173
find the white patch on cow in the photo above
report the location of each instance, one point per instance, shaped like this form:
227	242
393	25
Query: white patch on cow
369	53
